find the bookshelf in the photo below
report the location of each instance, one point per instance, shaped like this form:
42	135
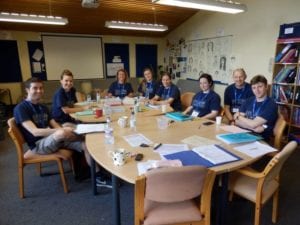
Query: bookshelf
286	82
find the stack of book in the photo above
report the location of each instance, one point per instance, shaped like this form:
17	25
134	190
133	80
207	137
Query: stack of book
178	116
289	54
282	94
286	75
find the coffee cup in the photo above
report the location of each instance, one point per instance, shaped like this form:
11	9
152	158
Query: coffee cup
218	120
99	112
123	121
119	156
162	122
164	108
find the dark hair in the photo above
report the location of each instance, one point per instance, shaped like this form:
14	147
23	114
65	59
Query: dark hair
148	68
259	79
66	73
166	74
32	80
208	77
124	71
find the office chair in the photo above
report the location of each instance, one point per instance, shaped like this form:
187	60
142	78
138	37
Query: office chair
31	158
186	99
259	187
169	196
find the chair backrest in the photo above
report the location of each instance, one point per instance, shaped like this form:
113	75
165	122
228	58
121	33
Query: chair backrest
278	131
273	168
174	184
186	99
17	137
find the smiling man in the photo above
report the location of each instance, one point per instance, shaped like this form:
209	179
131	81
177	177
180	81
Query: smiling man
64	100
258	113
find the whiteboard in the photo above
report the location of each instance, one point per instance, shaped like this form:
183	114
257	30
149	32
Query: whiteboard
80	54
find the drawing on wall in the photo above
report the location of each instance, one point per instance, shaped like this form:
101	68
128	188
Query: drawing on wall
210	55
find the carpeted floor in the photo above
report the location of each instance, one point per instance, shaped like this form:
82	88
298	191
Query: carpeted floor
47	204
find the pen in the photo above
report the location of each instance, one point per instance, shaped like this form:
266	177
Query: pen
157	146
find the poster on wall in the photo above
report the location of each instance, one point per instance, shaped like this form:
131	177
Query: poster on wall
209	55
112	68
37	59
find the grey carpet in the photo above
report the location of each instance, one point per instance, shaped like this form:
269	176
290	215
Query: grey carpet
47	204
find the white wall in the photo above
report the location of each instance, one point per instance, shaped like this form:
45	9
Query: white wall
254	32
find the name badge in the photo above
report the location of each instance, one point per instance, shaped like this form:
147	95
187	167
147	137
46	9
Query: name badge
235	110
195	113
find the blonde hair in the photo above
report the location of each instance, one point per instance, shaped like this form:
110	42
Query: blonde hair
241	70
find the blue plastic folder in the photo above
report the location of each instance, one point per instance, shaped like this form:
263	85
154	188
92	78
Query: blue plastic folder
178	116
191	158
237	138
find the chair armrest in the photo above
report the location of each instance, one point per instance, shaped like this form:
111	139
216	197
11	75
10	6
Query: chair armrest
247	171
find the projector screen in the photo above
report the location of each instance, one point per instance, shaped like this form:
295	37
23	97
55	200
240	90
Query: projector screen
80	54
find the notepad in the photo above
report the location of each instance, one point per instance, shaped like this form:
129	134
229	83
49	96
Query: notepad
178	116
84	113
237	138
89	128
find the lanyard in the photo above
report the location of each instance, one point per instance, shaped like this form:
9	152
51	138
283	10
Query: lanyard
121	89
256	112
240	95
39	114
202	96
168	92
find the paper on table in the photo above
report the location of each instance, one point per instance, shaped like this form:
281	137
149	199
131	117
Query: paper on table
136	140
214	154
143	167
199	141
165	149
89	128
233	129
255	149
154	106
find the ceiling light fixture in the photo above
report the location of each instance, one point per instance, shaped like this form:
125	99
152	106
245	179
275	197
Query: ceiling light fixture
211	5
28	18
135	26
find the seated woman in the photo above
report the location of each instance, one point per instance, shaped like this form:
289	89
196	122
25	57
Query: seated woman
206	103
121	88
148	86
64	99
168	93
236	94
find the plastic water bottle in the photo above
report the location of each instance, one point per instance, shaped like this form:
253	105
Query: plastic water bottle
98	97
109	133
132	121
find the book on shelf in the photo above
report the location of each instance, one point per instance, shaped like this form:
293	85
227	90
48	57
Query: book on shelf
178	116
282	52
282	95
296	116
237	138
284	73
290	56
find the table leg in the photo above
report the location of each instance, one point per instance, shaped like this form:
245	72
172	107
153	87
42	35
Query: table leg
93	176
223	201
116	200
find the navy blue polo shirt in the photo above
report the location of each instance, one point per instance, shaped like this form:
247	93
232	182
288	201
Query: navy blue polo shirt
170	92
148	89
120	90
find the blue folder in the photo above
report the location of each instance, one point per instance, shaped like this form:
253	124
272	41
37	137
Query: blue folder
236	138
178	116
191	158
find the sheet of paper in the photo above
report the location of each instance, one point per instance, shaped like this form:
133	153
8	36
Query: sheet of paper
89	128
255	149
165	149
143	167
214	154
199	141
233	129
153	106
136	140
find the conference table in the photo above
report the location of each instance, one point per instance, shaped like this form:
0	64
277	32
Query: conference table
173	134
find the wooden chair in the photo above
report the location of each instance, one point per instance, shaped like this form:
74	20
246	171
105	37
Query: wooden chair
167	196
186	99
278	131
31	158
259	187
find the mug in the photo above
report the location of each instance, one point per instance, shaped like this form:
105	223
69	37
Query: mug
99	112
218	120
123	121
164	108
119	156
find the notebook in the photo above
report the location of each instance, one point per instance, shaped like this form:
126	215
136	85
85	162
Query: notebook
236	138
178	116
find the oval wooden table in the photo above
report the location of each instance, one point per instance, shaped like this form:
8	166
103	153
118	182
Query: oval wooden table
172	135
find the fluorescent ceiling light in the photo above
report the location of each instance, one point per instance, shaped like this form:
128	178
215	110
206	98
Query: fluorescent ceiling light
211	5
135	26
25	18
